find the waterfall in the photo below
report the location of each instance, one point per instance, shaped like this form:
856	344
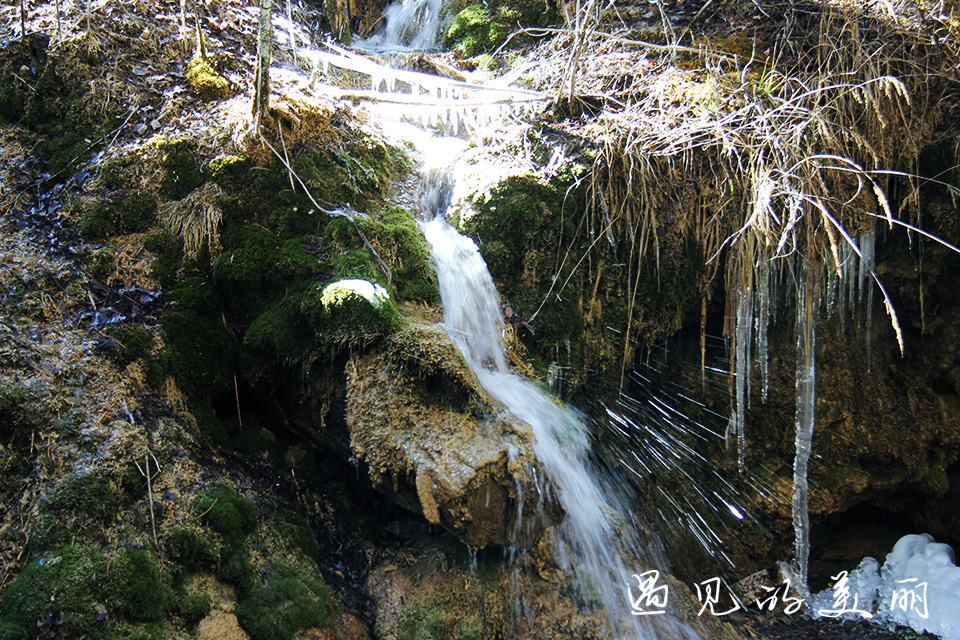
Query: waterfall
590	545
410	25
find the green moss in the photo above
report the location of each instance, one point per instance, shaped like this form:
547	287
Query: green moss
76	591
136	342
204	80
13	97
21	412
135	583
294	528
191	549
181	172
482	27
199	352
256	268
227	513
129	214
473	31
235	567
401	244
208	424
102	264
119	173
520	226
287	603
197	294
167	250
85	493
229	172
193	607
360	174
314	323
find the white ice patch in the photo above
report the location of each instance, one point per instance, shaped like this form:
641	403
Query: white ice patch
374	293
918	586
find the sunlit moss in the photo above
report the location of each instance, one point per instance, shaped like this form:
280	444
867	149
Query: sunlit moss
204	80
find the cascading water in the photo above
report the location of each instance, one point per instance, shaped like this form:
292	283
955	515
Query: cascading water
410	25
588	545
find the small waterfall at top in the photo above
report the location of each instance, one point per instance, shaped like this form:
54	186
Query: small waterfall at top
410	25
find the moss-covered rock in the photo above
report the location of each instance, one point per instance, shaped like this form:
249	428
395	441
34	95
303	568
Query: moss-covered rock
480	28
199	352
227	513
128	214
318	322
76	591
191	549
21	412
399	242
181	171
85	493
135	341
205	81
167	251
287	602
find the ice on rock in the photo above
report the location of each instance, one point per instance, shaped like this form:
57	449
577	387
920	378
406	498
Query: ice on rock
921	587
918	586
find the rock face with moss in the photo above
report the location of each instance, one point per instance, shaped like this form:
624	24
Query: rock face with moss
432	439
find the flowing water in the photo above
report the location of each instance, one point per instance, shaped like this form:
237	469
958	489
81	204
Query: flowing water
591	545
410	25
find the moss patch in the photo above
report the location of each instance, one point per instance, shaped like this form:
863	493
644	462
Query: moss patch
398	240
288	602
181	171
129	214
204	80
199	352
482	27
87	494
313	323
20	412
191	549
75	591
227	513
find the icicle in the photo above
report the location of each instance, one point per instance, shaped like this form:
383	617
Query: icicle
868	245
806	401
762	322
742	367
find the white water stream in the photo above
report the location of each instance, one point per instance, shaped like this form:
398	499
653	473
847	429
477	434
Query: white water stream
591	545
411	25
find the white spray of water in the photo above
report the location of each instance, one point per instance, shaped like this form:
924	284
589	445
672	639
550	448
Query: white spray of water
410	25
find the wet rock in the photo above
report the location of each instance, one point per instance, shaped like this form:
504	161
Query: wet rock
432	439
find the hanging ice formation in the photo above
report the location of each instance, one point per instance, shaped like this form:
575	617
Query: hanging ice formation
807	302
849	293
